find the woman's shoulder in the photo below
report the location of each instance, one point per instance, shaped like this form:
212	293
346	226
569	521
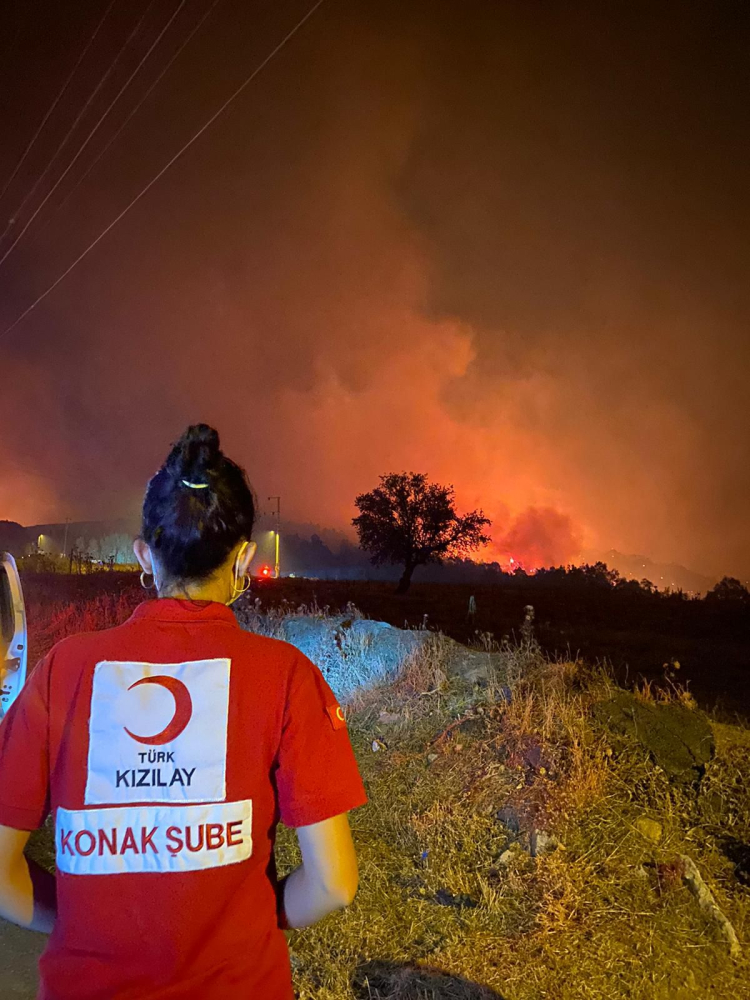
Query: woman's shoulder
277	649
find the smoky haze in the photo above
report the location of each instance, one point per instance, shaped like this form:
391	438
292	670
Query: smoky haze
503	244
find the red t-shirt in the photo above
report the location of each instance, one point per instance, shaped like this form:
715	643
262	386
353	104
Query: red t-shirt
168	749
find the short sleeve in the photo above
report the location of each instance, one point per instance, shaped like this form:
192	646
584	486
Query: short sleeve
317	775
24	754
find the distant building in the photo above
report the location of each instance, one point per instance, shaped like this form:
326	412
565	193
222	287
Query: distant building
97	540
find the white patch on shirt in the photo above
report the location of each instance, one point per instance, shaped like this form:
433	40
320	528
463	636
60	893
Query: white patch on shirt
153	838
158	732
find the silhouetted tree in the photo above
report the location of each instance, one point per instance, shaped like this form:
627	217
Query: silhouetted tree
729	589
410	522
600	574
630	588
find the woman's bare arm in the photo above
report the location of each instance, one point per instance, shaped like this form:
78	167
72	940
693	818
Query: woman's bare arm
327	879
27	892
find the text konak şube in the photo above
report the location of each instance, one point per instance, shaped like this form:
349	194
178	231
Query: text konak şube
153	838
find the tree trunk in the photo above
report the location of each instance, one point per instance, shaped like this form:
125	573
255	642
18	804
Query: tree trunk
405	582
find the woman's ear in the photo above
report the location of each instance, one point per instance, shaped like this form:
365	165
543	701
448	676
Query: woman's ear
243	563
143	555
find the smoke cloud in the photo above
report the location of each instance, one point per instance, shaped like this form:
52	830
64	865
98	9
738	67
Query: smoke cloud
540	537
504	247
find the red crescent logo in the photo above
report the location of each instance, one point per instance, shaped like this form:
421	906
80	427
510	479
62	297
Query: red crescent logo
183	710
336	715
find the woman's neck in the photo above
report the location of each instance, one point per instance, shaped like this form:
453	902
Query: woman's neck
202	590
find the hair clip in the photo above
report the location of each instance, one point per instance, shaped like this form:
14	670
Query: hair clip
195	486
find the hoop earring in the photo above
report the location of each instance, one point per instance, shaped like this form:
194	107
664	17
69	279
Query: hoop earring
148	586
236	594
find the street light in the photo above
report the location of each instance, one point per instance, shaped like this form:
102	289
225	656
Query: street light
277	512
276	549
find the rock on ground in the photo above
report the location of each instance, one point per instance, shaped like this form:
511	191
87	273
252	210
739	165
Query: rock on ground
679	739
357	653
350	652
649	828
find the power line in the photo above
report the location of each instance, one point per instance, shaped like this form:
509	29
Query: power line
73	127
94	130
138	106
56	101
165	168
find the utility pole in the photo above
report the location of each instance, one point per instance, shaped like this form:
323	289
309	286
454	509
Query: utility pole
277	512
65	543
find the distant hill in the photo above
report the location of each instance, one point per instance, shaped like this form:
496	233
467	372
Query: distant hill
664	576
13	537
308	549
100	539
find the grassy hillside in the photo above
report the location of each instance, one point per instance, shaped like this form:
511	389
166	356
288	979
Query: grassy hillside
515	847
635	631
452	904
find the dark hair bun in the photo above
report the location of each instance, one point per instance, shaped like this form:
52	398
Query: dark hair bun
197	507
196	454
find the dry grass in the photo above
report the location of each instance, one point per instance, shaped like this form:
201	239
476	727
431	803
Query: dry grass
52	614
599	917
270	620
425	671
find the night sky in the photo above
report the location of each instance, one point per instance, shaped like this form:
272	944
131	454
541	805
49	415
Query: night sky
505	244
